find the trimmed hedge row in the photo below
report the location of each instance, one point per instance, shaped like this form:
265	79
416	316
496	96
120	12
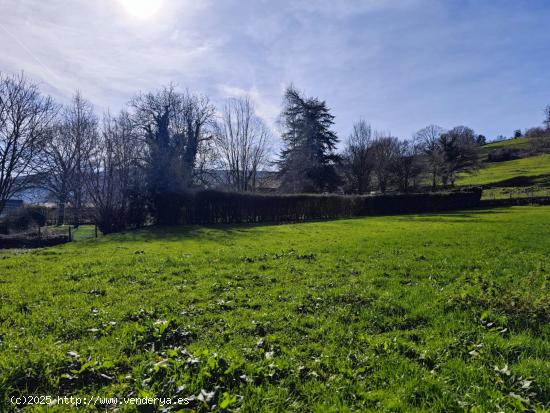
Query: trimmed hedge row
215	207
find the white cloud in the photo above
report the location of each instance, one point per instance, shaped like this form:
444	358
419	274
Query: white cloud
400	64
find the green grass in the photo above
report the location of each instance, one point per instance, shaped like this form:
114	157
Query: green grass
515	192
500	172
518	143
444	312
84	232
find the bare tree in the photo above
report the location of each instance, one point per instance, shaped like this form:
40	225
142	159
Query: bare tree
65	155
385	151
242	139
206	164
173	124
358	155
547	117
460	153
58	162
79	130
406	167
25	117
114	172
429	140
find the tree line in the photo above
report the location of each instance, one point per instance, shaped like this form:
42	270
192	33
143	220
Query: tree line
166	141
371	160
171	141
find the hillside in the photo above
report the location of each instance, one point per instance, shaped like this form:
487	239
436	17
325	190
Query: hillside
516	143
526	176
501	173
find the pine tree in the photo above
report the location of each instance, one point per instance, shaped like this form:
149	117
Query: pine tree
308	160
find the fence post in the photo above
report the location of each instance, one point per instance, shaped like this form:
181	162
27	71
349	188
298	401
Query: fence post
70	234
95	229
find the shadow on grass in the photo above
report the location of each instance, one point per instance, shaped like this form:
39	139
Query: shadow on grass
179	232
462	216
219	232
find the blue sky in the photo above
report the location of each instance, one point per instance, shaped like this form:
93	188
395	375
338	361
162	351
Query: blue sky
399	64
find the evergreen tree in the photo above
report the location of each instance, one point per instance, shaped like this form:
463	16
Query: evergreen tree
308	160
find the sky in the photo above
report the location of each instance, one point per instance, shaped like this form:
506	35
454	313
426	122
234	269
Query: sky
398	64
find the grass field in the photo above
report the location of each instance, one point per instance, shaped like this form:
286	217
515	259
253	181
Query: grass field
442	312
498	172
515	192
518	143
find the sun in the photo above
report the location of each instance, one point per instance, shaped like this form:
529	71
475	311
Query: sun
141	9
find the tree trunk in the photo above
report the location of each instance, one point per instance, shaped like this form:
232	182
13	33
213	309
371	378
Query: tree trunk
61	212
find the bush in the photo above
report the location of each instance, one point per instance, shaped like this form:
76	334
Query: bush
110	220
136	214
215	207
540	145
24	219
115	219
501	155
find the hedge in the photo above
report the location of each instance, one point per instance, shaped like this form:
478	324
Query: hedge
216	207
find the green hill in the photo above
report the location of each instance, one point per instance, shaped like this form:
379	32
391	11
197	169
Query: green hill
498	173
524	177
517	143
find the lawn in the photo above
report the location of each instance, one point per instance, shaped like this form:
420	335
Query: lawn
500	172
444	312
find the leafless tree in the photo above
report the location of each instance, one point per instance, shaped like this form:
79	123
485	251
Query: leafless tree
429	140
359	157
79	131
547	117
114	171
66	154
385	151
242	139
173	124
25	117
58	163
539	144
460	153
207	161
406	167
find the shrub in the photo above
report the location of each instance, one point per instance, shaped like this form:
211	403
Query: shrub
24	218
539	144
115	219
110	220
501	155
136	215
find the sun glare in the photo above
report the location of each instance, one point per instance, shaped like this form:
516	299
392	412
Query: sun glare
142	9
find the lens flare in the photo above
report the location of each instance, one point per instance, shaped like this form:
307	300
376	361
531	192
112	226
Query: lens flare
142	9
